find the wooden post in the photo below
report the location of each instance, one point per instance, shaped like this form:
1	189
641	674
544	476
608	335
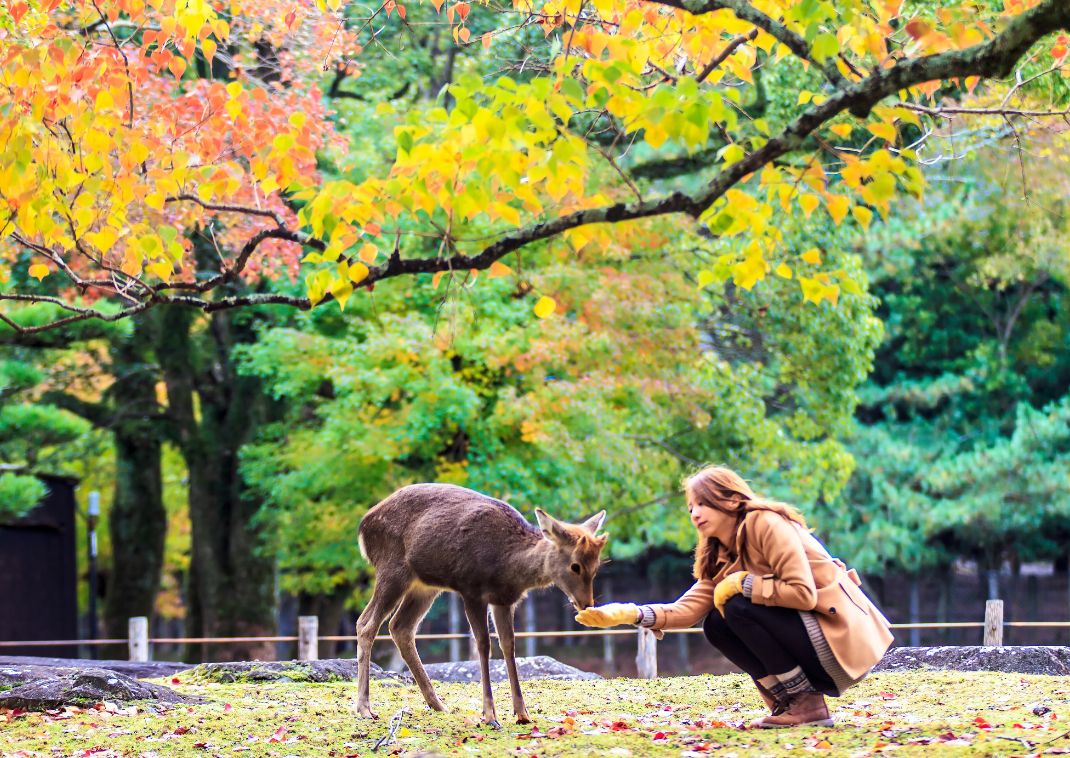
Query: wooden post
138	637
915	610
308	632
993	623
454	608
529	626
646	659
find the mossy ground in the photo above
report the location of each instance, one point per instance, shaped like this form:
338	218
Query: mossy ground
919	713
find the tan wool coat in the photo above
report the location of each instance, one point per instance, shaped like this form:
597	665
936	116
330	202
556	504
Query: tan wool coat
790	569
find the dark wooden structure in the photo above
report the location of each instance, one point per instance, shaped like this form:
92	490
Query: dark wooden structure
38	573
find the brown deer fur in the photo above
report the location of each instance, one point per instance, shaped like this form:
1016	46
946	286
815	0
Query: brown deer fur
427	538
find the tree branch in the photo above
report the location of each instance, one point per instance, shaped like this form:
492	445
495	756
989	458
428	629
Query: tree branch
747	12
994	58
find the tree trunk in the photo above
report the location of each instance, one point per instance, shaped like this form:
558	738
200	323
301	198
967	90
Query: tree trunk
215	411
137	519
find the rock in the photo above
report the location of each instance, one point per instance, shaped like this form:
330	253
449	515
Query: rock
1031	659
148	670
539	667
330	670
85	687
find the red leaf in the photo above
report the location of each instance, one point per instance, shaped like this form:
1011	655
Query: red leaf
277	736
175	680
228	708
181	730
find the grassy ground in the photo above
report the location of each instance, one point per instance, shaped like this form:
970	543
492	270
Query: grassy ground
916	713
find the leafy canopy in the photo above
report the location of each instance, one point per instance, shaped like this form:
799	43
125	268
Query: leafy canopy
114	150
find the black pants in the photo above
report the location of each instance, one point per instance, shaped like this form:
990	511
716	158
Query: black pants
764	640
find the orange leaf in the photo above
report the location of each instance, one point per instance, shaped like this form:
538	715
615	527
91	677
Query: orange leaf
917	28
464	33
499	269
177	66
38	271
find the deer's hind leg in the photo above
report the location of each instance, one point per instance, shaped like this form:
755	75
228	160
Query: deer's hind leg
403	625
476	611
503	622
389	589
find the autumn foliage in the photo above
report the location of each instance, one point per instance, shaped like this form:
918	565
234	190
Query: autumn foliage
129	126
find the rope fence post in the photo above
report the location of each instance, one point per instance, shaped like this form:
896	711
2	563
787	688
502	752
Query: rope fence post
138	638
308	646
993	623
646	659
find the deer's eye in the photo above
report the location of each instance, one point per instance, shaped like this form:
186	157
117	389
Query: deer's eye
575	568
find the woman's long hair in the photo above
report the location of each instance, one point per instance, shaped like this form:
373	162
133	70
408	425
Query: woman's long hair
722	489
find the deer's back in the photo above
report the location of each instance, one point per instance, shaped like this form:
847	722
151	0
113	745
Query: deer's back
447	536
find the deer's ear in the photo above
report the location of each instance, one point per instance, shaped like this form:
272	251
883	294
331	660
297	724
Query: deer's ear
594	523
551	527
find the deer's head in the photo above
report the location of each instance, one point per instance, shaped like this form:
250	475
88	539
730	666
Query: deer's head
574	555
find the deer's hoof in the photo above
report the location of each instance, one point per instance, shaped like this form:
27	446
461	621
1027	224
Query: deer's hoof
523	718
437	705
367	712
493	724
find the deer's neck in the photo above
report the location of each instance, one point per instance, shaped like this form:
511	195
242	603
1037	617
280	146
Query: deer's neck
537	560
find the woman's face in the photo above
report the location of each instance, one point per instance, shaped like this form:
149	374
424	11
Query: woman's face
709	522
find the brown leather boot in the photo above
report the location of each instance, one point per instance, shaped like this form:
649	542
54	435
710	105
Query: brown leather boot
803	709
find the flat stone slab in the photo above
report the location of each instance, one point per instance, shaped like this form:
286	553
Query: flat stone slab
538	667
84	687
329	670
1026	659
147	670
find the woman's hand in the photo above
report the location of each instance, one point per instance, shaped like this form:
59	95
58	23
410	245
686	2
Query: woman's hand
614	614
728	588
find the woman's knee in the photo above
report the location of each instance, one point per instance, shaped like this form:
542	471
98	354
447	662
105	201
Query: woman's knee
737	608
716	628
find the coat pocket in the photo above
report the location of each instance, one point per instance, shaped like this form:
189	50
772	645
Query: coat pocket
855	596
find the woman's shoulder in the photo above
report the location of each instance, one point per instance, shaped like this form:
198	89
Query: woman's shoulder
764	519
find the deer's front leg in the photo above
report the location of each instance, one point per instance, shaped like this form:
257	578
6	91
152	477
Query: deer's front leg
503	623
476	611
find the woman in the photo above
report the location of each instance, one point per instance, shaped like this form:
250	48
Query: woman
775	602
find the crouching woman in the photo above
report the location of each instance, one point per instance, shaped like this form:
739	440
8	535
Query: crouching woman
773	600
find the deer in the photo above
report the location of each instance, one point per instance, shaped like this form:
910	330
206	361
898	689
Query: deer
428	538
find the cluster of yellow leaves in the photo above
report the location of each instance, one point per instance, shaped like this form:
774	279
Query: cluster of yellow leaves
511	154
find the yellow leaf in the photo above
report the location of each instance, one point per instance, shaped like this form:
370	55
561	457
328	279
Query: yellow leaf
752	269
808	203
545	307
104	101
499	269
841	130
39	271
813	255
883	130
208	47
837	206
784	270
811	289
341	289
155	201
358	272
863	215
705	278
